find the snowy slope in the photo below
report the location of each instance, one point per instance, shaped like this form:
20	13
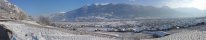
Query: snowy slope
24	31
186	35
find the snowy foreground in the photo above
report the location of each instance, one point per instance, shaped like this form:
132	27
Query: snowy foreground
31	31
186	35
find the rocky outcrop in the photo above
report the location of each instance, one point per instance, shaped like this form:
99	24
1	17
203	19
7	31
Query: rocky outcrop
11	11
5	34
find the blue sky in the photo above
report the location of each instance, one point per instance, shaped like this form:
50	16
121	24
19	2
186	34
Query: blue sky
42	7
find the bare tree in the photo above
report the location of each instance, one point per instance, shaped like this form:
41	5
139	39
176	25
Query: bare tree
44	20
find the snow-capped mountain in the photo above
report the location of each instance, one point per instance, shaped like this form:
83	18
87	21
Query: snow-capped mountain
126	11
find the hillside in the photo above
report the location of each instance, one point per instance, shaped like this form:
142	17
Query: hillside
11	11
33	31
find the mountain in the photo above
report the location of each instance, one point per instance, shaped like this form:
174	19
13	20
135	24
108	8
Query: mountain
193	12
57	17
123	11
11	11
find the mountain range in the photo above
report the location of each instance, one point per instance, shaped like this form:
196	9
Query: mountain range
112	11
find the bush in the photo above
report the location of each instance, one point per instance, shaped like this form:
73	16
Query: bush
43	20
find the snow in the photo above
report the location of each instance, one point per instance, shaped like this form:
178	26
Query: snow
101	4
139	25
34	32
30	22
186	35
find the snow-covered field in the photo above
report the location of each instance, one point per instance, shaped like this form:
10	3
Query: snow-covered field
186	35
138	25
24	31
172	26
29	30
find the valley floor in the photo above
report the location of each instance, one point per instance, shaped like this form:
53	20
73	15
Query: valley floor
28	30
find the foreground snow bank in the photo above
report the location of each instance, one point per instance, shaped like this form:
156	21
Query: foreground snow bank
186	35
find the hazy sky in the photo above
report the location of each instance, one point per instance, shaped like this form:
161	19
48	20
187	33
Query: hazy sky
39	7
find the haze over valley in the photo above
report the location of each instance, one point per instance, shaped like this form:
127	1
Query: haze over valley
102	19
